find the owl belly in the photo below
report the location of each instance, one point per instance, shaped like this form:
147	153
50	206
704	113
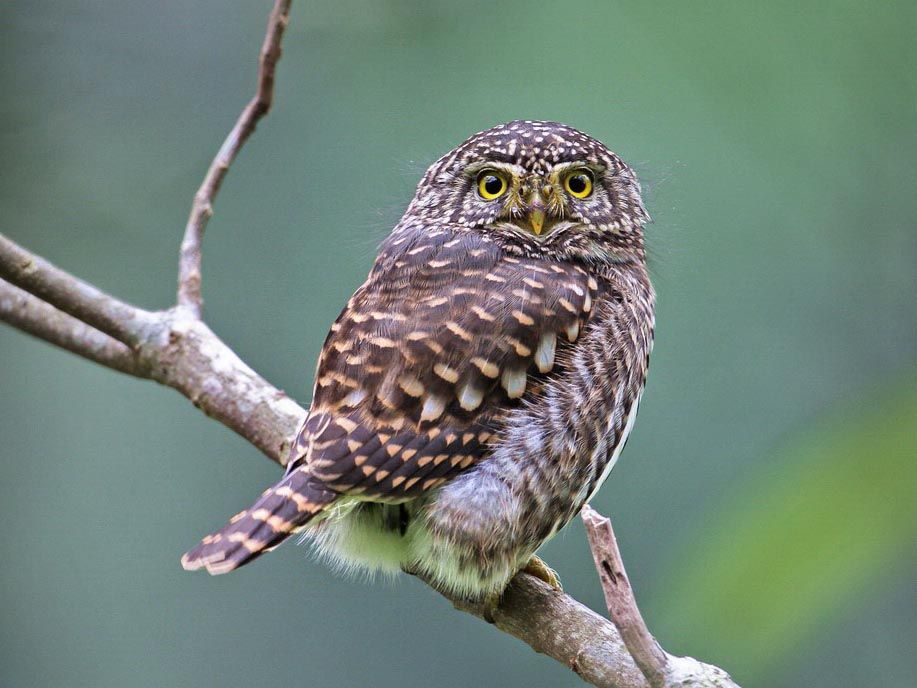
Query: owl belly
462	553
469	537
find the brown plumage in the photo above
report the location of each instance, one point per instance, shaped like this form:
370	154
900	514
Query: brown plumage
475	390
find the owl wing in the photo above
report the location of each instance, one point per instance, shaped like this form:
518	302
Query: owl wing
447	335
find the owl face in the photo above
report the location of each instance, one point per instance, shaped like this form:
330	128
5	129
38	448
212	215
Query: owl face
536	187
533	202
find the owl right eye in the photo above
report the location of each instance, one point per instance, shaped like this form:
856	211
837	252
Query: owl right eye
491	185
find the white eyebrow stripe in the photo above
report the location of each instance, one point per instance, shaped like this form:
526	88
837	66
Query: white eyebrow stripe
513	170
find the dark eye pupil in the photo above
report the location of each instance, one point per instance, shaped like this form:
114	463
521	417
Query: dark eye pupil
493	185
578	183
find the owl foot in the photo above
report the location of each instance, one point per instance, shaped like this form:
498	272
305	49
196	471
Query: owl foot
536	567
489	605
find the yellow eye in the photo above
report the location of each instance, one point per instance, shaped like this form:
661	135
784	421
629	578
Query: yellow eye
491	185
579	184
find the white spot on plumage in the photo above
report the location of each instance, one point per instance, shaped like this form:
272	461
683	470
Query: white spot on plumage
513	382
446	373
411	385
433	407
573	331
544	354
470	397
487	368
355	397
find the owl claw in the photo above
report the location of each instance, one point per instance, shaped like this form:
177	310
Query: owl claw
538	568
489	605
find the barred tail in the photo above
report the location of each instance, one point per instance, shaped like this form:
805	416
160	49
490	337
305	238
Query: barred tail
282	510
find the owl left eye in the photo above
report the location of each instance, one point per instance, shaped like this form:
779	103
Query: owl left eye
491	185
579	184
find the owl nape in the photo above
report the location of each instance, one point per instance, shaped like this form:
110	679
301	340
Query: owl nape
479	386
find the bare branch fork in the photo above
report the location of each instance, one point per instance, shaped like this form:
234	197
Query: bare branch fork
176	348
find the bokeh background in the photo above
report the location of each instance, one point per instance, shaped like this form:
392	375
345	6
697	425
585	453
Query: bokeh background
766	501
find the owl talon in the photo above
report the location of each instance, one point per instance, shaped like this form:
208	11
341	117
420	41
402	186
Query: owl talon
538	568
490	603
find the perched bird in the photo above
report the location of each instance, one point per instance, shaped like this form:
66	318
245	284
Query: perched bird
479	386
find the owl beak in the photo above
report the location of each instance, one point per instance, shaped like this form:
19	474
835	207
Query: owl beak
536	219
536	211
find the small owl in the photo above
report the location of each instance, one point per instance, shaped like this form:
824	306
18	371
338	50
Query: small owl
477	389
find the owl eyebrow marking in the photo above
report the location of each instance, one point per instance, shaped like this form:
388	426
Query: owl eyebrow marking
562	167
506	165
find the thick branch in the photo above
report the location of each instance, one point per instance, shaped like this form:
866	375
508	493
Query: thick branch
172	347
555	624
65	292
183	353
32	315
189	262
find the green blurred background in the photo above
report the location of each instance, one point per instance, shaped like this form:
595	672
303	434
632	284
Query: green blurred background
766	502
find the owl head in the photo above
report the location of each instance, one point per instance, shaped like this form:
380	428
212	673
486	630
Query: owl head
539	188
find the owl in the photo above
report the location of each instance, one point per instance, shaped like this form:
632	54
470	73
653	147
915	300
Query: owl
479	386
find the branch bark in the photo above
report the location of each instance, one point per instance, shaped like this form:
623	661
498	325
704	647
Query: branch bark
30	314
175	348
65	292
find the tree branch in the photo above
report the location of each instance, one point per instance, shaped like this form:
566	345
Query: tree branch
65	292
660	669
174	347
189	263
183	353
171	347
32	315
619	597
555	624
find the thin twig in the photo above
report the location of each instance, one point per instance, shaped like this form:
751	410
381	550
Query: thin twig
661	669
67	293
34	316
619	597
189	262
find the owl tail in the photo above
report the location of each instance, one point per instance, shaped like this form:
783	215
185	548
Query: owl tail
281	511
